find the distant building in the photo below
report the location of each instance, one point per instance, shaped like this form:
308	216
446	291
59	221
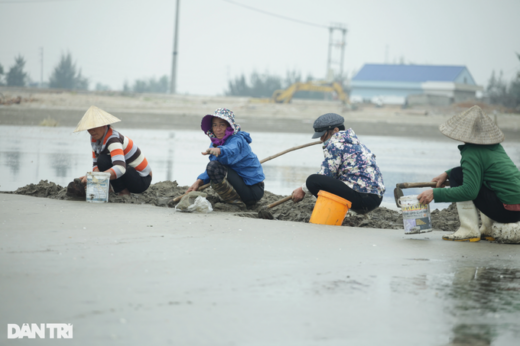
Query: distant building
396	83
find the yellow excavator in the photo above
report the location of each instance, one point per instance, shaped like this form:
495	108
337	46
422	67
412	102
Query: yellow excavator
286	95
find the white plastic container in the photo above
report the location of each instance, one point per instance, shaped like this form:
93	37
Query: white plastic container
416	216
98	186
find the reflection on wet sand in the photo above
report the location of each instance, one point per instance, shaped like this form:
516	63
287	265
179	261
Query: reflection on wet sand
61	164
472	335
12	160
481	294
482	303
486	290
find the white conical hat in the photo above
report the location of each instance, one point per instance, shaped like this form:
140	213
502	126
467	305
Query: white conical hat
95	117
472	126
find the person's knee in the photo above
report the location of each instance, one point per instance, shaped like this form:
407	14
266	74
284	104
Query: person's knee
311	180
456	177
313	184
216	171
212	165
104	162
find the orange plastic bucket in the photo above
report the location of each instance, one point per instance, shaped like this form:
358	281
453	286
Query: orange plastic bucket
329	209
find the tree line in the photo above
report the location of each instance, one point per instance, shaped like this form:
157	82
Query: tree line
502	93
264	84
67	75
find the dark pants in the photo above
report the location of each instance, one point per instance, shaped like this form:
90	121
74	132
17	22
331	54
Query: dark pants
249	194
131	180
486	201
361	202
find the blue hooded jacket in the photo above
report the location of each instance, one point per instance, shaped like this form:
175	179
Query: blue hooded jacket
237	155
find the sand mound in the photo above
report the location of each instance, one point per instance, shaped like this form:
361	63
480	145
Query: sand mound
43	189
161	193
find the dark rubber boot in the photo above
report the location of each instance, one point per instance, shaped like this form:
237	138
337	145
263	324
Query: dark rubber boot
227	193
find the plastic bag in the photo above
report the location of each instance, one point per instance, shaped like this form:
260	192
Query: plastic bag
201	205
194	202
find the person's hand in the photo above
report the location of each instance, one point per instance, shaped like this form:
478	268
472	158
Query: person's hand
195	186
425	197
441	179
83	179
298	195
212	151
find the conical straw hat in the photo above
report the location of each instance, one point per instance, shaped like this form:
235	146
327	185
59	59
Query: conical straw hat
95	117
472	126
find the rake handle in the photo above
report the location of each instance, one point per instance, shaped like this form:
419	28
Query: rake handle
283	200
176	199
412	185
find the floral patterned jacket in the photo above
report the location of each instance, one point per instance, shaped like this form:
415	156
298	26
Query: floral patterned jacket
353	163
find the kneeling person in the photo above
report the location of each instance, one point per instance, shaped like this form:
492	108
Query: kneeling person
349	169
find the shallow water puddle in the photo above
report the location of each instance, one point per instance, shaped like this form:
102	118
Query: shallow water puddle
31	153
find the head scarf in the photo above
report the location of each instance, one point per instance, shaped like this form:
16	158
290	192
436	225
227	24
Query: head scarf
224	114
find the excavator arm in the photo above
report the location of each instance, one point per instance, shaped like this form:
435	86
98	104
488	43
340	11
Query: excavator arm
285	96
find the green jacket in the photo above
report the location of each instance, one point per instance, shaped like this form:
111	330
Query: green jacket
486	165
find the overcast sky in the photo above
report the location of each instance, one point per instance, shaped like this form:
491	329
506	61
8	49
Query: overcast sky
117	40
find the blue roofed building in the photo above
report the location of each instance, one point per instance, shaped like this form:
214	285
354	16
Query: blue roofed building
396	83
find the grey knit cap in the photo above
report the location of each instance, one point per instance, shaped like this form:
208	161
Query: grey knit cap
327	122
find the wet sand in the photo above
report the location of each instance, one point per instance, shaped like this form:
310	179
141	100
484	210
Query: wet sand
137	274
134	271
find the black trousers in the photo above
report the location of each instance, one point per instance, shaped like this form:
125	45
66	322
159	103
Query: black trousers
361	202
486	201
131	180
249	194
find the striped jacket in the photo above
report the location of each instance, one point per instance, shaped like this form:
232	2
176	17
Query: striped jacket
122	151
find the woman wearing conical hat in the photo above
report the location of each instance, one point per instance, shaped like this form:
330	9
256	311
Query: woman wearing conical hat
487	178
112	153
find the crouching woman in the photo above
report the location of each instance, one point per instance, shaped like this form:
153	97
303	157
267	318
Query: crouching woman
112	153
233	171
349	169
487	179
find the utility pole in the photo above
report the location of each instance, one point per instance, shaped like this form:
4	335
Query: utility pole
329	58
41	67
174	58
341	44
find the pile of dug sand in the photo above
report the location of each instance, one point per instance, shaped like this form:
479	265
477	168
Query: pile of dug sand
446	219
158	194
162	193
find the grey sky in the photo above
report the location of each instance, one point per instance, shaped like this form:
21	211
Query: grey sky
117	40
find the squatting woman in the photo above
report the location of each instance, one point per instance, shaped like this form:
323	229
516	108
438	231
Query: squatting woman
233	171
113	153
349	169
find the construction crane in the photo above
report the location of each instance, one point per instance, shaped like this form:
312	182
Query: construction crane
286	95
